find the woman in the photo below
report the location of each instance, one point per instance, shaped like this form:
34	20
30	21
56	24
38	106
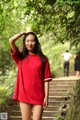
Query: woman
77	64
33	76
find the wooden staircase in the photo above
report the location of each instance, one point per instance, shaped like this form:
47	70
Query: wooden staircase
59	89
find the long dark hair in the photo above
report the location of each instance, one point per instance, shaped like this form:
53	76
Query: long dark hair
37	49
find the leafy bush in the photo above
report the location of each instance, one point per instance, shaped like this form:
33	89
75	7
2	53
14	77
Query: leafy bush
74	109
7	82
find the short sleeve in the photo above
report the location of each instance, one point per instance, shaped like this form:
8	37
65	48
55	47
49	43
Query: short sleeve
47	72
15	55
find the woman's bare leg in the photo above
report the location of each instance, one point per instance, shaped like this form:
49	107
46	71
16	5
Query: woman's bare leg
25	111
77	73
37	112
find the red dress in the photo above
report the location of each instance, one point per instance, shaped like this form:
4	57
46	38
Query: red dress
32	74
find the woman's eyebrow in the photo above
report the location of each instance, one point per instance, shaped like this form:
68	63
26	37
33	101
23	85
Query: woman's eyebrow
30	39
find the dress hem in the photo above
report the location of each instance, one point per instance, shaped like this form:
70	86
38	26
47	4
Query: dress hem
27	102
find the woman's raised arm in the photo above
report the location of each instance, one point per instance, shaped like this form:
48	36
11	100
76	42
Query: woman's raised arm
13	39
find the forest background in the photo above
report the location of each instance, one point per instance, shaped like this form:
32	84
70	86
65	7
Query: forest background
57	25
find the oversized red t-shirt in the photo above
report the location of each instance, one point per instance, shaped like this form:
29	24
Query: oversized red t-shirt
32	74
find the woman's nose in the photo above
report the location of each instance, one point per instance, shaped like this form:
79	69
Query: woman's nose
30	43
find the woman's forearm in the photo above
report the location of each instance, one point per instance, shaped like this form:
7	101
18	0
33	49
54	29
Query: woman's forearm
13	39
46	90
46	86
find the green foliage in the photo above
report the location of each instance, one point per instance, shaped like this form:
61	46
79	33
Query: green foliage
54	51
7	82
74	110
5	61
61	17
68	1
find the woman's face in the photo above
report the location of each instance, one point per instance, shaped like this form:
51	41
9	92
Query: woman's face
30	43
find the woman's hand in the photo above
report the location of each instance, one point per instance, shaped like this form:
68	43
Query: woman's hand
45	102
23	33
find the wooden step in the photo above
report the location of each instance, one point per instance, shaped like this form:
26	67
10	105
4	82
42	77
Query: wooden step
45	113
62	81
69	78
61	87
58	93
58	90
43	118
61	84
52	108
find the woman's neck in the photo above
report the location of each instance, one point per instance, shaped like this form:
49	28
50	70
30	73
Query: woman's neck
31	52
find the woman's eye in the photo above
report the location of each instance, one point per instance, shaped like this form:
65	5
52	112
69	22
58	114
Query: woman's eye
30	41
26	40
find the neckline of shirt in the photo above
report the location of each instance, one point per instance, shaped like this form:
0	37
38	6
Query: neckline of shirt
32	54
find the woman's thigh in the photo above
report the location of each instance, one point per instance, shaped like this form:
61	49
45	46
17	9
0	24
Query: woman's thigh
25	110
37	112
